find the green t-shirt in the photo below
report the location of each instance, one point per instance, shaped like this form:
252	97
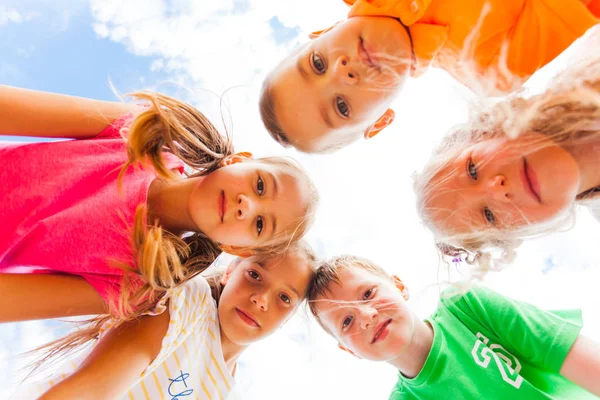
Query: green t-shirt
486	346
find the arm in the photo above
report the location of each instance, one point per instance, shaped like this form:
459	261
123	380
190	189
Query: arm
582	364
41	296
116	362
33	113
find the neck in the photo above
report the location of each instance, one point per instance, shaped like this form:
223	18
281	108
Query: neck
231	351
586	154
168	202
413	357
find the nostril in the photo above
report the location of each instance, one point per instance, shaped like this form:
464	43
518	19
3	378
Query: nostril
351	76
239	213
344	62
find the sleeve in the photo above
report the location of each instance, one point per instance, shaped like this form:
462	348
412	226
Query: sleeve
188	304
113	131
544	29
541	337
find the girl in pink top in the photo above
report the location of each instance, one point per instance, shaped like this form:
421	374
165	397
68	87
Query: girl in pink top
102	221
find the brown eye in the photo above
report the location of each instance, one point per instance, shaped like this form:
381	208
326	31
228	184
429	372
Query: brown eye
347	322
260	186
342	107
259	224
489	216
318	63
368	294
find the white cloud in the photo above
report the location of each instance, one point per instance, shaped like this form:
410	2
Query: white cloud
368	206
9	15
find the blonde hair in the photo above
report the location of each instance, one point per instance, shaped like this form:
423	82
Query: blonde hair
329	271
567	112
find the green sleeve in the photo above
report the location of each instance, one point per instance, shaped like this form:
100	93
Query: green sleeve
541	337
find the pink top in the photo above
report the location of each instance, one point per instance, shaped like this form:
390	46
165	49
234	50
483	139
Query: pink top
61	209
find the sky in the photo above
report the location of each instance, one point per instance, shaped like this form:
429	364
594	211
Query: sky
215	54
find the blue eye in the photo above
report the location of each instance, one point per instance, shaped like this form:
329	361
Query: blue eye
367	294
259	225
317	63
489	216
342	107
260	186
472	170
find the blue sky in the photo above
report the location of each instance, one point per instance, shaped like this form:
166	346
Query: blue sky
75	47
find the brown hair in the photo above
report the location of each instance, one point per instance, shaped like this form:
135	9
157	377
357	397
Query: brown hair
90	329
567	112
329	272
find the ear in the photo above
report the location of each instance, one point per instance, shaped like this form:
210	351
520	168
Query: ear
400	285
316	34
236	251
227	274
235	158
348	350
379	125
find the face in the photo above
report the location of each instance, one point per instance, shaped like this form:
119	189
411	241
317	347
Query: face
368	315
249	204
341	82
503	184
259	297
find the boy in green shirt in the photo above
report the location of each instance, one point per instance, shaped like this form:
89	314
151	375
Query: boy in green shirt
479	345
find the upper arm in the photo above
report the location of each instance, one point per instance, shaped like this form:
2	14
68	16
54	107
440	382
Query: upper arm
582	364
42	296
33	113
116	361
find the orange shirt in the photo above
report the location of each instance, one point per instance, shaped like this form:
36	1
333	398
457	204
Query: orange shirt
451	34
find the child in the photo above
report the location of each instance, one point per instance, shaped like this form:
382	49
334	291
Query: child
479	345
190	349
517	169
99	205
331	91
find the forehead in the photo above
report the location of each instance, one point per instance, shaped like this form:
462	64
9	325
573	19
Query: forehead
350	281
297	105
286	270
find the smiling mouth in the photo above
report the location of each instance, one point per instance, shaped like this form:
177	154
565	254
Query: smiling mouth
364	55
381	331
531	181
222	205
247	318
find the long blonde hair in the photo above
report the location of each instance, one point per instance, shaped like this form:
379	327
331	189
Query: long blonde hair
567	112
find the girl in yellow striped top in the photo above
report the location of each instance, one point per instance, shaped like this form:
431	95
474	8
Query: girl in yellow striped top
189	349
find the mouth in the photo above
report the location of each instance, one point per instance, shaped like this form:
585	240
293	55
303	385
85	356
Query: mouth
381	331
363	54
222	205
530	181
247	318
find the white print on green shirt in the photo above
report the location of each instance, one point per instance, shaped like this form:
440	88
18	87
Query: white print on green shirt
508	364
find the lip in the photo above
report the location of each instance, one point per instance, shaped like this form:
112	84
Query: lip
247	318
530	181
381	331
365	55
222	205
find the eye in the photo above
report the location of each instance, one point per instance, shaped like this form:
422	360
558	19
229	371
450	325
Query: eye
489	216
317	63
367	295
254	275
260	186
346	323
259	225
285	298
342	107
472	170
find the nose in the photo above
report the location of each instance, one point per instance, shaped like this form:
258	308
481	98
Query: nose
344	72
367	316
245	207
260	299
498	189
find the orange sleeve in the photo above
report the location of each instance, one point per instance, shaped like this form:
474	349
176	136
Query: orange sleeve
545	28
